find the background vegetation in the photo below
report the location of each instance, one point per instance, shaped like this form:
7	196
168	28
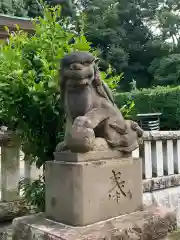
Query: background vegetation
160	99
20	8
137	37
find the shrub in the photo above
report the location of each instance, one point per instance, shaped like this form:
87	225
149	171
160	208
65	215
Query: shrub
34	193
160	99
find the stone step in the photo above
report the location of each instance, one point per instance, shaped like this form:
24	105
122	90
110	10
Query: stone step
151	223
6	232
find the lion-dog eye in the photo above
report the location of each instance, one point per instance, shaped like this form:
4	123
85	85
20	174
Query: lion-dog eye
86	63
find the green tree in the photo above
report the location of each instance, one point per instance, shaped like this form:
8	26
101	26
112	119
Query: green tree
168	20
33	8
120	35
15	8
67	6
131	34
166	70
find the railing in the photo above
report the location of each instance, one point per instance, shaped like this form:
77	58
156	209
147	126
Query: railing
160	153
13	168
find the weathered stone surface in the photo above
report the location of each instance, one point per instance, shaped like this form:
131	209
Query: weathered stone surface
87	192
169	197
68	156
152	223
11	210
161	135
159	183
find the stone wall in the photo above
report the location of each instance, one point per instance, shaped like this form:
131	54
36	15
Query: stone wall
163	191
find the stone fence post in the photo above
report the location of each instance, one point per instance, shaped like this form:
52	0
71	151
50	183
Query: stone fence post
10	161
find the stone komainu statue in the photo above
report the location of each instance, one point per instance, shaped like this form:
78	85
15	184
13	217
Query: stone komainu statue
93	121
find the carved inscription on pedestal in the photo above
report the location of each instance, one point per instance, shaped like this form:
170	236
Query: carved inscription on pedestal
118	187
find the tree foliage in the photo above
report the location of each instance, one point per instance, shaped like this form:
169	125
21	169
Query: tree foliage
34	8
166	70
164	99
15	8
132	34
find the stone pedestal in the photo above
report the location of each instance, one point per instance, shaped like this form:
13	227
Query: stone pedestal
153	223
82	189
92	192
